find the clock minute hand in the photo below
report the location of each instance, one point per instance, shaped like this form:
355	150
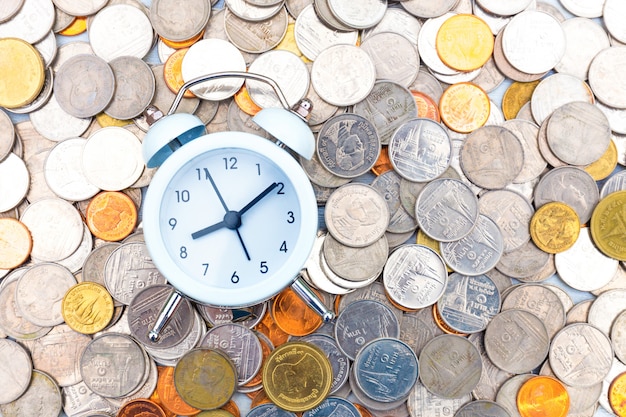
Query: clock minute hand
258	198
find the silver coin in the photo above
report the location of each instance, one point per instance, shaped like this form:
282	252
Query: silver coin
318	174
387	107
429	8
396	20
584	40
313	36
117	357
618	336
583	260
69	50
355	264
427	40
119	30
93	265
240	344
384	379
605	80
348	145
427	84
578	313
507	394
450	366
409	190
446	210
16	370
177	23
249	11
544	148
504	9
12	322
394	56
556	90
315	275
328	18
422	403
134	88
605	308
516	341
534	164
170	356
414	276
39	293
128	270
55	124
492	377
269	410
79	400
505	66
256	36
77	258
9	9
332	406
584	8
570	185
566	138
541	302
339	362
365	15
420	150
616	117
84	85
14	182
145	390
476	253
42	398
295	7
31	23
81	8
612	13
401	220
492	157
511	212
144	309
343	74
581	355
615	182
468	303
417	328
354	326
482	408
164	97
489	77
523	262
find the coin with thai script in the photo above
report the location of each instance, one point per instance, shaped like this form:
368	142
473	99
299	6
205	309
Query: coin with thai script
87	307
606	225
554	227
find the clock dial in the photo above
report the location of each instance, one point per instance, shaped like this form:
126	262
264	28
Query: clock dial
229	219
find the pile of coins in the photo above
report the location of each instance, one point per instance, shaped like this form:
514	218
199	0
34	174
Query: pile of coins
453	233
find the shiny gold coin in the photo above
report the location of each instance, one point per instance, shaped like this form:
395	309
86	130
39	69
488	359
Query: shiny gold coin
16	243
21	73
604	166
182	44
245	103
464	107
515	97
205	378
172	72
617	395
78	26
542	396
87	307
111	215
104	120
464	42
608	225
554	227
426	106
297	376
269	328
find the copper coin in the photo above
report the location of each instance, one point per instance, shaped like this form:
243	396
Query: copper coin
542	396
293	315
141	407
617	395
269	328
383	164
464	107
16	243
172	72
182	44
426	107
168	395
111	216
245	103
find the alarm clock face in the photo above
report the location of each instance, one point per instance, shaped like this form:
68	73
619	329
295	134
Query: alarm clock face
230	226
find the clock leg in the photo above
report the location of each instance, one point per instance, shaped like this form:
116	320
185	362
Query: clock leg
165	315
313	301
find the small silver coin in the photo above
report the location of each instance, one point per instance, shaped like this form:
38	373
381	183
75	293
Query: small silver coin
482	408
16	372
511	212
134	88
338	360
394	56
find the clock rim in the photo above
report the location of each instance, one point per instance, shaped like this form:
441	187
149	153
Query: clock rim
239	296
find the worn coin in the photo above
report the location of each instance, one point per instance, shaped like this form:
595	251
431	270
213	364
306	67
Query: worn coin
177	23
12	321
41	398
554	227
492	377
111	215
16	370
134	87
256	36
511	212
355	264
394	56
556	90
606	225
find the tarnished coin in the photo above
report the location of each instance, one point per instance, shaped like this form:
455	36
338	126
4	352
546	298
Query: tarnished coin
581	355
297	376
554	227
516	341
617	394
395	57
79	399
167	394
16	372
113	365
556	90
534	163
469	303
354	326
389	185
178	24
84	85
141	406
12	321
476	253
606	225
343	74
134	87
414	276
422	403
368	14
492	377
22	71
492	157
348	145
356	214
87	307
383	379
42	398
450	366
446	209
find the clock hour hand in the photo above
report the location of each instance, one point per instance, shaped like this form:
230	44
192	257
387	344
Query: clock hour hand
209	229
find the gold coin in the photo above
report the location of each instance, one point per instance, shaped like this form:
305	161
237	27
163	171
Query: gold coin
173	72
297	376
608	225
168	396
87	307
617	395
604	166
293	315
288	43
111	215
78	26
215	413
515	97
554	227
205	378
21	73
104	120
16	243
542	396
182	44
464	42
464	107
245	103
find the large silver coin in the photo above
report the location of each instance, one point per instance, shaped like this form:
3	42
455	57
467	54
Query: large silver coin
482	408
16	370
511	212
545	304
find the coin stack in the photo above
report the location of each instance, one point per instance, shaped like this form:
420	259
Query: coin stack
469	175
